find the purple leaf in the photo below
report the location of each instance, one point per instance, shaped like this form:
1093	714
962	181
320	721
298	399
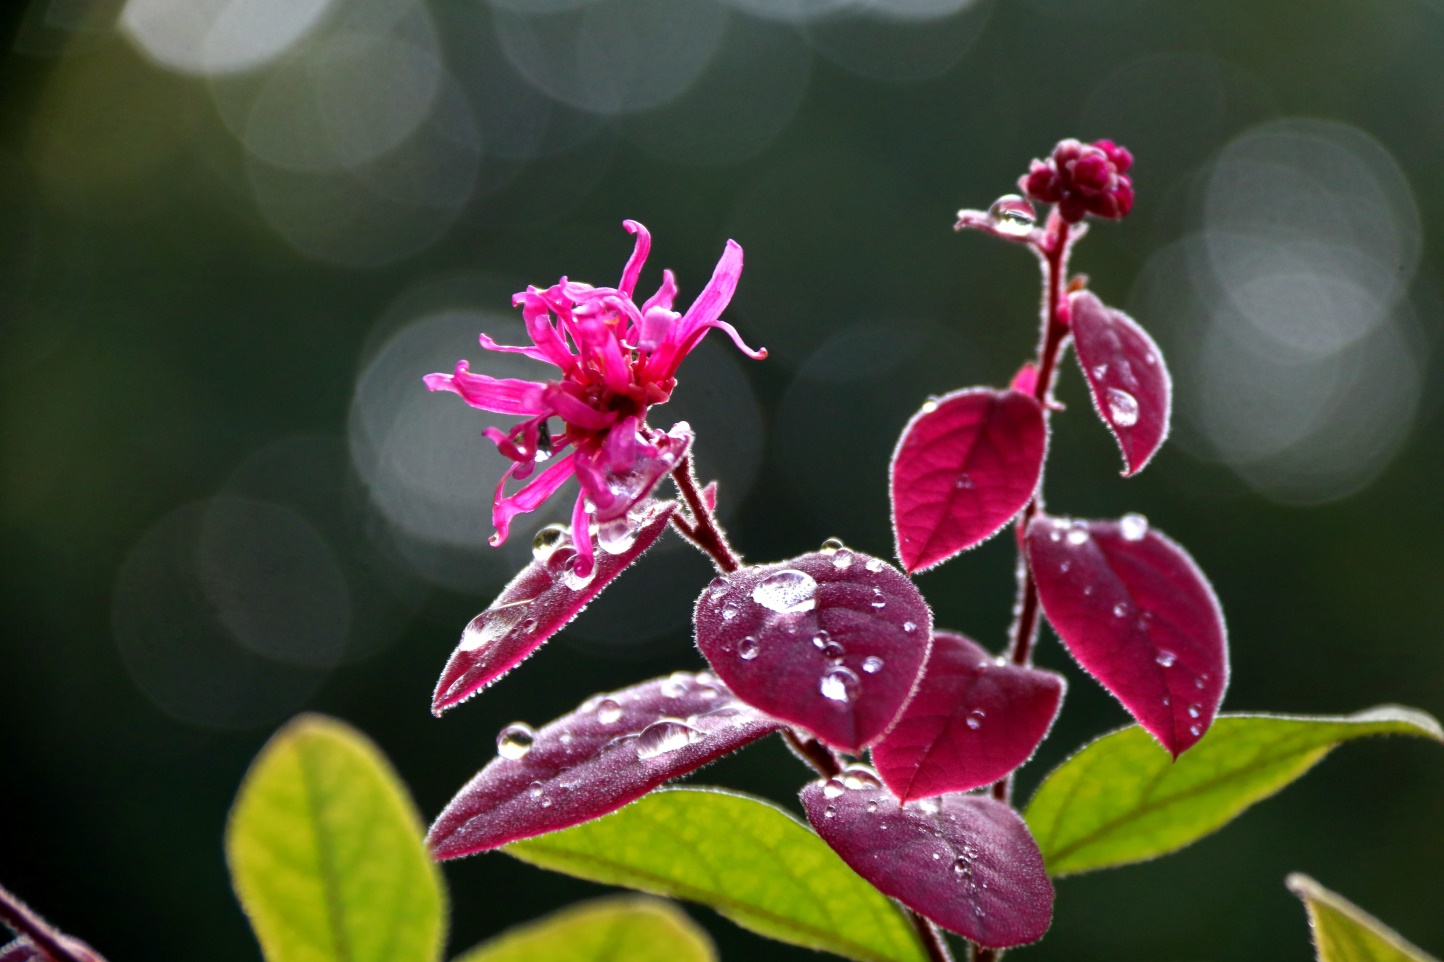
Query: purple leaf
971	722
19	951
1131	388
538	603
964	466
612	750
965	861
833	642
1137	613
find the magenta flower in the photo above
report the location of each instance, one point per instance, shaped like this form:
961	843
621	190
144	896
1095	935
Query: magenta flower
1083	179
616	361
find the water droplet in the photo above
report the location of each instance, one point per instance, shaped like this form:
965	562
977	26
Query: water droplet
566	738
833	787
832	546
1200	681
931	806
839	684
829	811
676	684
874	565
860	776
872	808
1167	701
962	865
1120	609
577	582
930	405
546	803
493	624
1194	730
910	626
616	536
820	640
974	720
872	664
834	651
548	540
1077	536
937	855
1194	711
879	602
1122	408
1065	567
1166	659
1087	589
1134	526
729	611
1012	215
515	740
529	625
665	735
1055	535
842	559
787	591
1099	371
720	588
608	711
964	483
536	790
747	648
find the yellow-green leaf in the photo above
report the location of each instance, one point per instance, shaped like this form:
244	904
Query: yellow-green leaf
1343	932
1122	798
619	929
326	852
744	857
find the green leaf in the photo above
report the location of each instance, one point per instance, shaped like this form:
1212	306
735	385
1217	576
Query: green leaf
746	858
326	852
618	929
1343	932
1122	799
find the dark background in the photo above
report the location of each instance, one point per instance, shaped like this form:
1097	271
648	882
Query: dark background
205	327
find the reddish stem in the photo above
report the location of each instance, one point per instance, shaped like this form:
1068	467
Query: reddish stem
1053	254
703	529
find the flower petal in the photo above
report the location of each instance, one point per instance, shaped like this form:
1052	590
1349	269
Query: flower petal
528	498
504	395
666	294
535	353
643	247
583	564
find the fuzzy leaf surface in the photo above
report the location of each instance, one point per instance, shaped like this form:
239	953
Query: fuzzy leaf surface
964	466
534	606
971	722
325	852
1343	932
1137	613
744	857
1132	391
965	861
612	750
831	641
1122	799
616	929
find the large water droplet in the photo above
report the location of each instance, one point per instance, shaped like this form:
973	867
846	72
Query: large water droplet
665	735
842	559
548	540
1166	659
608	711
1122	408
616	536
860	776
1134	526
515	740
872	664
833	788
1012	215
832	546
729	611
1077	536
839	684
930	405
974	721
496	623
577	582
787	591
747	648
874	565
931	806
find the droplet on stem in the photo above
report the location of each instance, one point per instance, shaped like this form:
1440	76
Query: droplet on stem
1012	215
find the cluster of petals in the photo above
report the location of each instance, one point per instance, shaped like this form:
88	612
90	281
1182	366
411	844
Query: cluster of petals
616	359
1083	179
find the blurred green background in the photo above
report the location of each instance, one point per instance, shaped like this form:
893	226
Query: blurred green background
235	233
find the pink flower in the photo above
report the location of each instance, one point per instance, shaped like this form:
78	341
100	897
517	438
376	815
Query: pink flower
1083	179
616	361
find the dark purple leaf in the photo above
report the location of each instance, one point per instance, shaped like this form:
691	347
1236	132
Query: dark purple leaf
832	642
1125	371
965	861
612	750
965	464
18	951
972	721
538	603
1137	613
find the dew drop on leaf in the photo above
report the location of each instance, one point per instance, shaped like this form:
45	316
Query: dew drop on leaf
872	664
577	582
1077	536
1120	610
786	591
617	535
872	808
1166	659
974	721
665	735
874	565
1134	526
910	626
536	790
608	711
515	740
676	684
748	648
829	811
839	684
860	776
832	546
1012	215
547	541
1122	408
833	788
932	806
842	559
